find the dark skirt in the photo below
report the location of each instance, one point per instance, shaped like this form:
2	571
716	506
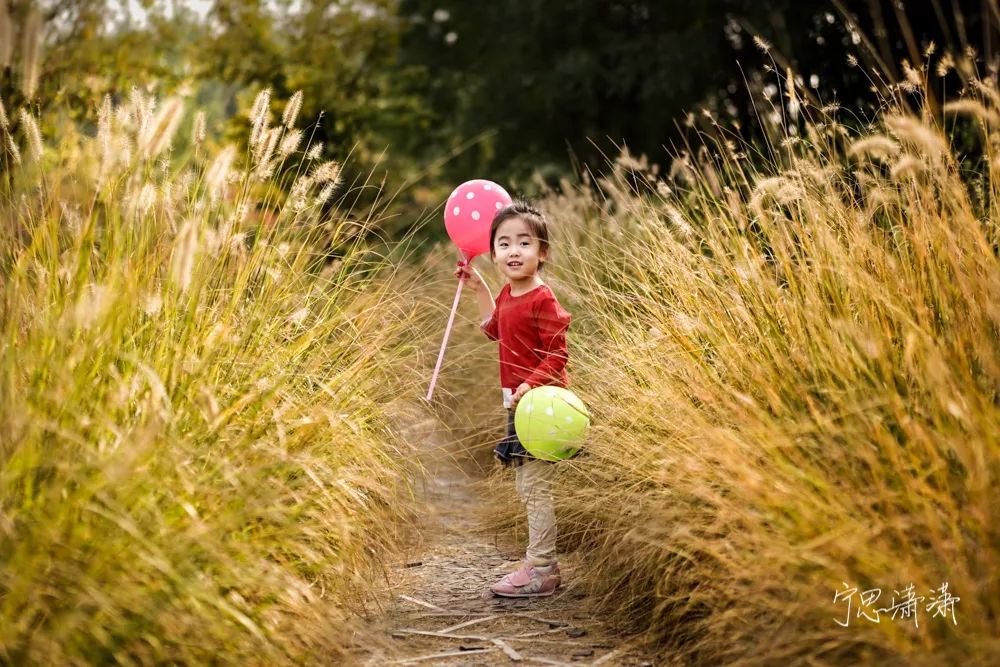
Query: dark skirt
509	451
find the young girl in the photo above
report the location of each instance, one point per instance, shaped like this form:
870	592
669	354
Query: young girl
530	326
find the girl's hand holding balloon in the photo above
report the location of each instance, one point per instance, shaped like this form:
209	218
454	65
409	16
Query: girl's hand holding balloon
471	277
467	217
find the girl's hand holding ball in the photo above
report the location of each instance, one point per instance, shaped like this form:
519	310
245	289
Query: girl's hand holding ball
523	389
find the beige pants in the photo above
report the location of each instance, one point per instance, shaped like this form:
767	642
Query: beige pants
533	480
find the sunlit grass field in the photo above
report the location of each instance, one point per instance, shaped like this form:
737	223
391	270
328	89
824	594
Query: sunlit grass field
791	352
195	463
792	355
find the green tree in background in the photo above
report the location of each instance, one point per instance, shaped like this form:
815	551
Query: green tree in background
547	82
342	55
69	53
420	95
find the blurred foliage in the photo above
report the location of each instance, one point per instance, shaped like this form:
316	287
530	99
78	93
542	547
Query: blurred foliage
581	78
89	48
423	94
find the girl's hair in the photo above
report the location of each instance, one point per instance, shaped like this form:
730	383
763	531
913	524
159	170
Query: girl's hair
535	219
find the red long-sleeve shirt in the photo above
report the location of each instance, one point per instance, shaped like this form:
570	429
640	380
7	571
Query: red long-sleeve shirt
531	329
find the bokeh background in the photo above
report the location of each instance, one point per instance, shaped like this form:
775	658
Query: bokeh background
224	280
429	93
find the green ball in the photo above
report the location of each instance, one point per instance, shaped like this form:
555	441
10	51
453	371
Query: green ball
551	423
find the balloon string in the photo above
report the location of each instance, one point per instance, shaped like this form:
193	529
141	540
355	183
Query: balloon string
444	343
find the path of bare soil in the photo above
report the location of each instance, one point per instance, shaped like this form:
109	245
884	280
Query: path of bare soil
441	611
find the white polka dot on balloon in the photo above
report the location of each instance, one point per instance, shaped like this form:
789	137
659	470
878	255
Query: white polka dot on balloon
569	419
529	408
475	215
470	195
487	187
548	411
455	211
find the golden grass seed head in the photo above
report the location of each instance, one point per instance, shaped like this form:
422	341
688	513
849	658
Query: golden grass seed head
185	181
152	304
810	170
146	199
259	117
762	43
686	323
104	114
325	194
265	167
167	188
292	110
32	133
260	105
767	185
988	89
945	64
212	241
680	224
198	129
104	117
299	317
328	171
629	162
241	213
218	172
125	152
4	123
907	166
15	153
290	143
70	217
314	151
237	244
297	195
966	66
91	306
913	131
681	170
781	188
123	116
160	131
140	113
988	117
876	146
184	254
220	333
709	174
31	56
790	85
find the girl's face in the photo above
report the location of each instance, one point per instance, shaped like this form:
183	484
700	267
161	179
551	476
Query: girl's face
516	251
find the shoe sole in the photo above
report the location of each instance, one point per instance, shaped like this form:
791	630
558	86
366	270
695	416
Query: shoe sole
524	595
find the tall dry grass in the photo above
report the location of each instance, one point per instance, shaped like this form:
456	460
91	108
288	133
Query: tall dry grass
793	362
195	459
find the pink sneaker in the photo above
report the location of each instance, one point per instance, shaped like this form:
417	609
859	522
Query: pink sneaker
529	581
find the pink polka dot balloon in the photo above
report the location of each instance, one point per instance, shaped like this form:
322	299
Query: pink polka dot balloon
469	212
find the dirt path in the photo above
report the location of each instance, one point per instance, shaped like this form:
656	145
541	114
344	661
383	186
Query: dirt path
441	611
